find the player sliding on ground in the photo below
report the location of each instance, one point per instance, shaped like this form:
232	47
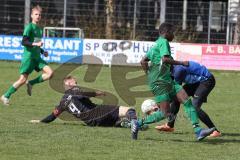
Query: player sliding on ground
161	83
198	83
78	103
31	59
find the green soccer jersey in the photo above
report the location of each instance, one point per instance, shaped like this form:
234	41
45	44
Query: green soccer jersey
159	74
34	32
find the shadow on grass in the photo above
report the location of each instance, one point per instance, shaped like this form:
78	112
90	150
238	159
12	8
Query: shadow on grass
212	141
231	134
205	141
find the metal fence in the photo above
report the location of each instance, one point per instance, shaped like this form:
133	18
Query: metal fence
195	21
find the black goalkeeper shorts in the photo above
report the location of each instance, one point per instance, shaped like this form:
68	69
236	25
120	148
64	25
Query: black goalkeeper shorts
201	89
102	115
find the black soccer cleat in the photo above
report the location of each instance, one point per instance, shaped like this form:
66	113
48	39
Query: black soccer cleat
134	129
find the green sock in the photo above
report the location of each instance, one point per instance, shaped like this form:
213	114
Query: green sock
192	114
152	118
39	79
10	91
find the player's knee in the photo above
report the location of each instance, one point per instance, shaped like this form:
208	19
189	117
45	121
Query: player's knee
49	74
22	80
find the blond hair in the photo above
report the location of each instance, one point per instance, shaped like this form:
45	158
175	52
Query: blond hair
37	7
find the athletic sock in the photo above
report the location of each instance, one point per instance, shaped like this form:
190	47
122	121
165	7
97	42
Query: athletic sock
152	118
174	109
192	115
10	91
39	79
203	116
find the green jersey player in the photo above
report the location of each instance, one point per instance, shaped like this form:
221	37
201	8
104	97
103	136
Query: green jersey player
163	86
31	59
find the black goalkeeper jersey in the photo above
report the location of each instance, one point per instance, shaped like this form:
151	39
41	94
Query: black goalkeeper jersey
75	101
78	103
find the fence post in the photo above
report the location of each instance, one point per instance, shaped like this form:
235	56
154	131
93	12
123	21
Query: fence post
184	23
210	21
162	11
27	12
134	19
64	16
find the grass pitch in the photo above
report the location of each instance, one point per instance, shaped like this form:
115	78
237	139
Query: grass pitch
61	140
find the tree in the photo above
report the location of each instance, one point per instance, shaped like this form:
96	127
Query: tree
110	5
236	39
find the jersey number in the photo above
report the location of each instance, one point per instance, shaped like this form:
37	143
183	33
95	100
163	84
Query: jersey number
73	108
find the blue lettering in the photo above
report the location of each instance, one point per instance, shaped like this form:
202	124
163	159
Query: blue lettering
96	45
88	46
136	47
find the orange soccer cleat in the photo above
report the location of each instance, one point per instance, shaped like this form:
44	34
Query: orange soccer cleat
164	128
215	134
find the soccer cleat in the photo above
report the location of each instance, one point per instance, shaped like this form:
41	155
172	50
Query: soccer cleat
164	128
29	89
203	133
134	129
215	134
125	123
5	100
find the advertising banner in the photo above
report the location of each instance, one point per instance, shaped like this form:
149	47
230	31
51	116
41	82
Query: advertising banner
189	52
60	49
129	51
221	57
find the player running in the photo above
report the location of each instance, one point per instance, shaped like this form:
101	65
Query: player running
161	83
31	59
78	103
198	83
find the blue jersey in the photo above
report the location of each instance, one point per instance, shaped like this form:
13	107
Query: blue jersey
193	73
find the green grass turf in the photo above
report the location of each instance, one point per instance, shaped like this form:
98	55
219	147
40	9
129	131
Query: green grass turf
21	140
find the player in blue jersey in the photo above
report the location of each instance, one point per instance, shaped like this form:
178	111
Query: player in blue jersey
198	83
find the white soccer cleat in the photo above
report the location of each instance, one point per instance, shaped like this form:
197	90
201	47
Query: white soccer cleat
5	100
29	89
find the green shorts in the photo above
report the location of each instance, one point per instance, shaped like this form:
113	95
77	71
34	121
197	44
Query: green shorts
30	64
167	96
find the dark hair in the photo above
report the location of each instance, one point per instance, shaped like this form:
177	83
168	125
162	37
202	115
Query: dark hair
165	28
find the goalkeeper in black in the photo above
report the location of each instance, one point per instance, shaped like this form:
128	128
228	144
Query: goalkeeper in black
78	103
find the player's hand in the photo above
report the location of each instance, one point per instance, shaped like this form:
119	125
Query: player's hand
100	93
35	121
39	44
185	63
45	53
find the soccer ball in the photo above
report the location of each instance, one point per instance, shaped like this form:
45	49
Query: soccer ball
147	105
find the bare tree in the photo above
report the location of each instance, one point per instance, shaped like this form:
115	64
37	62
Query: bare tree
110	4
236	39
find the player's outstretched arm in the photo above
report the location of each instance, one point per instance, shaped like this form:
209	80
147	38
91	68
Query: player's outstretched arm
49	118
168	60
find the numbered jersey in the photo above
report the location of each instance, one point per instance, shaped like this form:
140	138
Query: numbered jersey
75	102
78	103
